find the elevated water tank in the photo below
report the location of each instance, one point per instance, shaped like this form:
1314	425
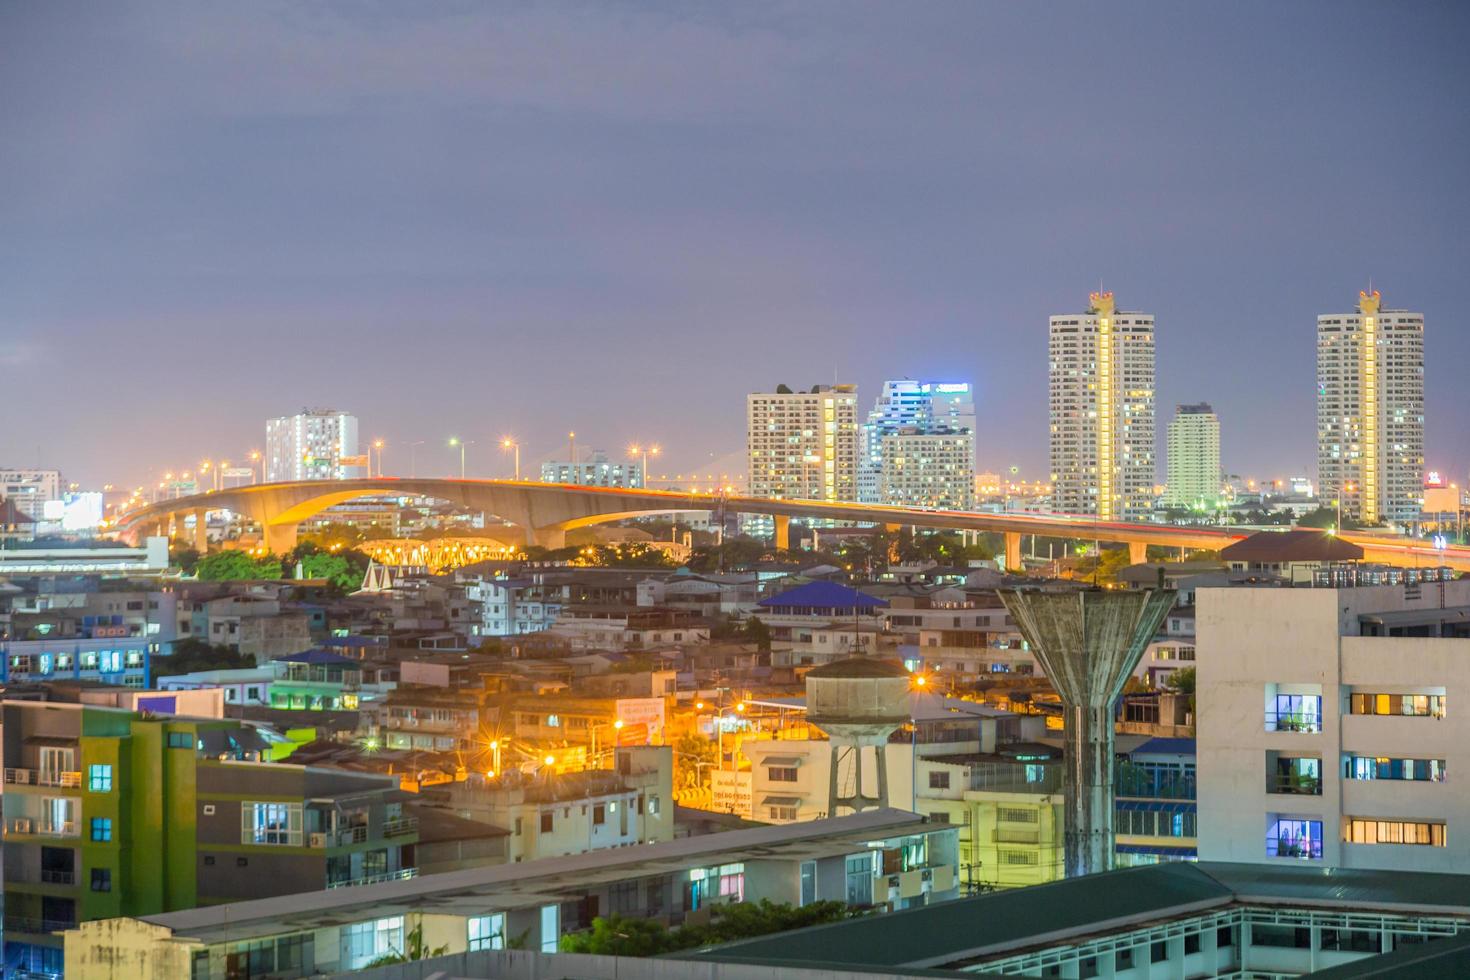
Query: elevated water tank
859	703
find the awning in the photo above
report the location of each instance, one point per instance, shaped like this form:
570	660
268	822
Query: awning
782	760
59	741
781	801
1157	806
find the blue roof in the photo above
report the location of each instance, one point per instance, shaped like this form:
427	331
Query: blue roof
823	595
318	657
1165	746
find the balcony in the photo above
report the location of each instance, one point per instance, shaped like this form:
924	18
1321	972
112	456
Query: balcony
1293	721
58	877
403	875
402	827
1294	848
345	837
30	825
1294	784
1006	835
43	777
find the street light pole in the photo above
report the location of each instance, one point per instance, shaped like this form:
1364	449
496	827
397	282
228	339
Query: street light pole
509	443
413	457
572	457
378	446
454	441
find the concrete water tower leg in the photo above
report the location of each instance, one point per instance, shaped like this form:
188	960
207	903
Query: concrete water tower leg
1137	552
1013	551
782	539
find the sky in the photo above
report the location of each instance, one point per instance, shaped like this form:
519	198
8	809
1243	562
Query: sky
481	219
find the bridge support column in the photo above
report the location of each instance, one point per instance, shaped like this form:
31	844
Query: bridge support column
201	531
1137	552
279	538
550	538
1013	551
782	538
893	528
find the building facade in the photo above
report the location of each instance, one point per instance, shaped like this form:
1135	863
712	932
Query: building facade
314	444
1194	459
803	444
598	471
917	448
1328	718
1370	412
30	490
1102	411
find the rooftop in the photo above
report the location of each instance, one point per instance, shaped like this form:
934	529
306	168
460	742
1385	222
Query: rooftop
476	891
822	595
1300	544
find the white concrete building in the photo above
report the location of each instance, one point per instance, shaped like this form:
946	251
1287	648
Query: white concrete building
1328	718
1370	412
804	444
1194	458
1102	411
314	444
596	471
30	489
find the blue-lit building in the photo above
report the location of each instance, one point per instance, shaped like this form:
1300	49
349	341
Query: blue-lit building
917	448
1156	812
107	660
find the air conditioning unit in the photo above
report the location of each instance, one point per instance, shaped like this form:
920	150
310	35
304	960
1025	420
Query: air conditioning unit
927	874
893	881
20	825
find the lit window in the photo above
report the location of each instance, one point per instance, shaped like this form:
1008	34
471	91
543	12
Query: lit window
102	829
487	932
99	779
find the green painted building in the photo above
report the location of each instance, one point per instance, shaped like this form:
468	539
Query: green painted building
109	813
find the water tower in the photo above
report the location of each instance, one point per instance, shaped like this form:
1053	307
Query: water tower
1088	642
858	702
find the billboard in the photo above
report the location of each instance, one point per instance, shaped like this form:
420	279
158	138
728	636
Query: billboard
643	711
731	792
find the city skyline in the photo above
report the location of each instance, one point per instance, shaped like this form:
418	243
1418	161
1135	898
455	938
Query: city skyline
493	215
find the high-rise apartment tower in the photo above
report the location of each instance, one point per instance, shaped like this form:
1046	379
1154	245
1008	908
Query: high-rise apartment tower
1102	411
1370	412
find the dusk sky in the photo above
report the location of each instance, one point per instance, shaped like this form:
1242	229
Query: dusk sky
476	219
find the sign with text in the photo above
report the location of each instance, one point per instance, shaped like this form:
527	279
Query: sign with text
731	792
648	712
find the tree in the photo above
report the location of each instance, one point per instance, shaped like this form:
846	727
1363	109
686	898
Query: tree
1181	681
184	559
623	936
231	566
693	754
1327	517
757	632
344	569
193	654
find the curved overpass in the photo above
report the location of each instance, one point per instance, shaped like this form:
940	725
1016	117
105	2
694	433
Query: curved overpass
546	511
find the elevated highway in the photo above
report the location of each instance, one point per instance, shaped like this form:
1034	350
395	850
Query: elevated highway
546	511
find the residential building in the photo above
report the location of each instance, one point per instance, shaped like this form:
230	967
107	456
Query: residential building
597	471
1155	812
313	444
16	526
1193	459
1370	412
30	490
1102	412
553	814
917	448
884	859
1328	719
1294	556
109	812
803	444
152	558
1168	920
514	605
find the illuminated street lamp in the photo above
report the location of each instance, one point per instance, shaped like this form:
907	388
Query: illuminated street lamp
256	458
645	451
413	457
378	447
455	441
509	443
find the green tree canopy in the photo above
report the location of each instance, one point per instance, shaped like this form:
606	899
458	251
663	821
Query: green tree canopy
229	566
623	936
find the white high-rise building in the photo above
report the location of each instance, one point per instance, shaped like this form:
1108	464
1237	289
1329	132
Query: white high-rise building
1194	458
1102	411
917	448
316	444
1370	412
803	445
1328	721
30	490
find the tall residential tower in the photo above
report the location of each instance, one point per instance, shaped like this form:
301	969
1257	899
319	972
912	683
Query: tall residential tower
1102	411
1194	458
917	448
1370	411
803	444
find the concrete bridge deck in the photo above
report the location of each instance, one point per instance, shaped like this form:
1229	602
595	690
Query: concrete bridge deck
546	511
